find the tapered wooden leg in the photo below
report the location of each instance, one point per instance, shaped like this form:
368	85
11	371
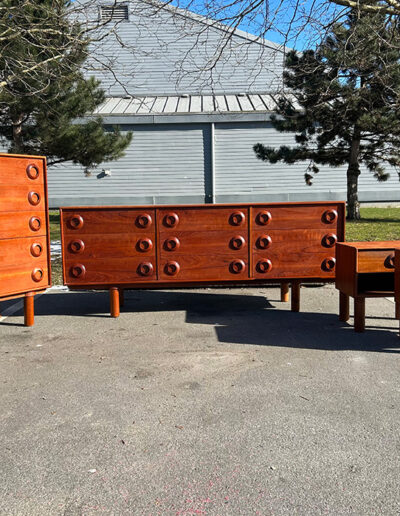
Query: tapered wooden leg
284	292
29	309
344	307
121	297
359	314
114	302
295	296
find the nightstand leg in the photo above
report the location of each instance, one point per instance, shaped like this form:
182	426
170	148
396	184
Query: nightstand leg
344	307
121	297
284	292
359	314
295	296
114	301
29	309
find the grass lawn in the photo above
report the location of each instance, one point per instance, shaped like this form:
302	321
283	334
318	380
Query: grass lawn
376	224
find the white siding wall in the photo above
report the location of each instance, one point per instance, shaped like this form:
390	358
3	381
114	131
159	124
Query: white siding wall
240	175
166	53
162	164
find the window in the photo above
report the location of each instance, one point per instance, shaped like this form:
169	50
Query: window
114	12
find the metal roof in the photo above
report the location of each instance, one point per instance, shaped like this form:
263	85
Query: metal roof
187	104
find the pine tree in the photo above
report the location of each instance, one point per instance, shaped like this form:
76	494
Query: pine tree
44	96
347	108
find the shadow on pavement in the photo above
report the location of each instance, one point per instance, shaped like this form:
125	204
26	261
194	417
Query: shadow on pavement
239	319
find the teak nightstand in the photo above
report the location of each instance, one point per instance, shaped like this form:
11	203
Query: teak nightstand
366	269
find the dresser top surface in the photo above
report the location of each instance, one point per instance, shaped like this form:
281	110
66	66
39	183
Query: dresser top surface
224	205
386	244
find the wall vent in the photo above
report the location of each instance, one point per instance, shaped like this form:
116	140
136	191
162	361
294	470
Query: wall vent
114	13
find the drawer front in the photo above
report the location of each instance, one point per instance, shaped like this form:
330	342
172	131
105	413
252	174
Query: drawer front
22	224
92	247
324	217
195	267
209	243
21	171
293	254
104	222
205	219
378	260
23	265
105	271
22	198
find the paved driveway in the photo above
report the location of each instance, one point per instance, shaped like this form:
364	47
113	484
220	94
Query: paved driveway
205	402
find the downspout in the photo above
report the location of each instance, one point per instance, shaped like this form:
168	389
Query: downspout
212	162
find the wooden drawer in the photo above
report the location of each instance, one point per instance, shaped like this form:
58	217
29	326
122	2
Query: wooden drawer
195	267
22	198
22	224
203	242
204	219
375	260
318	216
115	270
120	245
23	265
311	240
104	222
21	171
279	263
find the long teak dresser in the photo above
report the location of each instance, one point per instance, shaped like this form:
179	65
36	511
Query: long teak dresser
24	235
165	246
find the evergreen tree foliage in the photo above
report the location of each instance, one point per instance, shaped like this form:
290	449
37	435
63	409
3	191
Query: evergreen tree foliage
43	94
343	103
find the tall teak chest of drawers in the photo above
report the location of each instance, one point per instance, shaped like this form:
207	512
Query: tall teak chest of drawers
166	246
24	235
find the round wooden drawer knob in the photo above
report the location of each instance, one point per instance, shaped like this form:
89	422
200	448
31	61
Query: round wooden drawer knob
329	216
35	223
237	218
237	242
34	198
172	244
32	171
144	220
172	268
37	274
77	246
36	250
329	264
329	240
171	220
263	266
263	242
389	262
237	266
76	222
263	218
78	270
145	269
144	245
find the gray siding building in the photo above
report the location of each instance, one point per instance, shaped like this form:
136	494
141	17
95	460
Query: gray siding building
194	119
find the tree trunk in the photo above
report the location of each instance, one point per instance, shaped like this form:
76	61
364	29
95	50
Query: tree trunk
353	171
17	133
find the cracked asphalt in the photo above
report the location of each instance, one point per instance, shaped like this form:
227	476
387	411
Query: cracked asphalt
199	402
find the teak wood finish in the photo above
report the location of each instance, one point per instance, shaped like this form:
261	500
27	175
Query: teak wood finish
24	230
119	248
364	270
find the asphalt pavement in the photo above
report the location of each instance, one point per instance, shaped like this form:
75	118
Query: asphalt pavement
199	402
